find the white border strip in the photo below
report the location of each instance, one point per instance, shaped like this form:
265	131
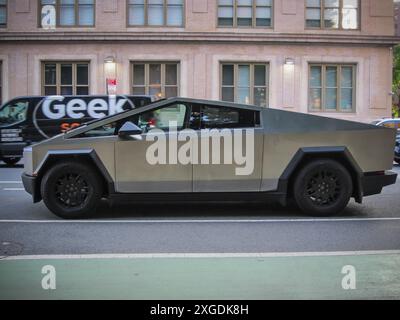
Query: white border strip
170	221
200	255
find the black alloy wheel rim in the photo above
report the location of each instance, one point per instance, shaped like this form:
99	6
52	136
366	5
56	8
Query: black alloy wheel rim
71	190
323	187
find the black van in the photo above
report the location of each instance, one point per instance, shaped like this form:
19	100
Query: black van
28	120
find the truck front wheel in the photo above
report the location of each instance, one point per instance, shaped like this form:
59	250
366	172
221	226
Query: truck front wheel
11	161
323	188
71	190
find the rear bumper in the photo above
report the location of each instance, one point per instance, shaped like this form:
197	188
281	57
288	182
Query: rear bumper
10	150
373	184
31	186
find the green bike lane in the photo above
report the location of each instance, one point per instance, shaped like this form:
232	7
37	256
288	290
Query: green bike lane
176	277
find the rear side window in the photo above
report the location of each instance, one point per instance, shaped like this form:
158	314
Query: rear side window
214	117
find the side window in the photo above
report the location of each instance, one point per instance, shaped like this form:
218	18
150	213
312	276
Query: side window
155	119
107	130
210	117
14	112
163	118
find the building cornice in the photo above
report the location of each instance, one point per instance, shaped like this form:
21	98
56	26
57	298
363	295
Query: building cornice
216	37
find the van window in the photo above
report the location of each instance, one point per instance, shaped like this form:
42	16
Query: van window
13	112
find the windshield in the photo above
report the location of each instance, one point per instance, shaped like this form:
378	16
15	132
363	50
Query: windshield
13	112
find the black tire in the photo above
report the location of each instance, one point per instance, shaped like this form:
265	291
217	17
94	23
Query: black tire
11	161
323	188
71	190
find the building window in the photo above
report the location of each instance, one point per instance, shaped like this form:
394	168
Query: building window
333	14
245	83
72	13
245	13
156	13
332	88
153	78
65	78
3	13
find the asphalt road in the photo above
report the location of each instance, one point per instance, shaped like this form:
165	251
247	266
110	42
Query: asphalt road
198	251
195	228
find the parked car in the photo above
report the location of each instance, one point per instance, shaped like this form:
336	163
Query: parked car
394	124
28	120
388	123
319	162
397	150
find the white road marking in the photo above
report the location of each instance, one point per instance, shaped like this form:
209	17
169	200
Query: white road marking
13	189
202	255
10	182
170	221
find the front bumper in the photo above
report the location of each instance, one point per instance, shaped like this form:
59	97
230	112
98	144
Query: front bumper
31	186
374	183
10	150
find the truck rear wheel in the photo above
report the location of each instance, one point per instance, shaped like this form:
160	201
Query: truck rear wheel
11	161
323	188
71	190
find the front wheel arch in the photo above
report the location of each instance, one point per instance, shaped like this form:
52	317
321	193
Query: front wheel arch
91	159
77	176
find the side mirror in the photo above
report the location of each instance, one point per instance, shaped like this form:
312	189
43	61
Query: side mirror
129	129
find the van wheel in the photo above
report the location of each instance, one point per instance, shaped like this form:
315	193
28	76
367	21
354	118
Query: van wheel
323	188
11	161
71	190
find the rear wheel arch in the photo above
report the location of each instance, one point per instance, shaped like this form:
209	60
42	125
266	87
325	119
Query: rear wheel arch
305	155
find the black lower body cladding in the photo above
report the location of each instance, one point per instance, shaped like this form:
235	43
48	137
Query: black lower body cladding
31	186
373	183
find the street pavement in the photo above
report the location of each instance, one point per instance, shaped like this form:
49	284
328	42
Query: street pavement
199	251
